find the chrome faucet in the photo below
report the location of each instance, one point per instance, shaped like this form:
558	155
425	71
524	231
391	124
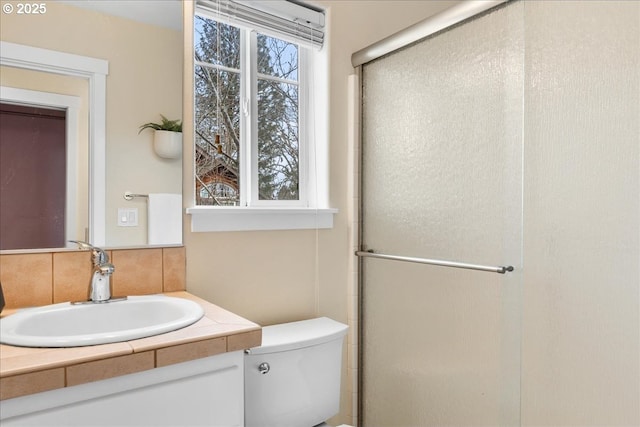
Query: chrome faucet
100	288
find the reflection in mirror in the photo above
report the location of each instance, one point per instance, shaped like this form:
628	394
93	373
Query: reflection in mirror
32	158
42	79
144	80
43	199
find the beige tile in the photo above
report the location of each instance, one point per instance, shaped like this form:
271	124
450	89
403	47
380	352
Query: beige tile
109	368
244	341
223	316
19	360
138	271
185	352
174	269
71	276
27	279
197	332
7	351
34	382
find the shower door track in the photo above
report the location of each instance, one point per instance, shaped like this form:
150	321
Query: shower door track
438	22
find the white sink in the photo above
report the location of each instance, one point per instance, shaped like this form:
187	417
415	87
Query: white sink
69	325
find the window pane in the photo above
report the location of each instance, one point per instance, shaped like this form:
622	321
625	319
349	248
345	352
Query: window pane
216	43
277	58
278	141
217	128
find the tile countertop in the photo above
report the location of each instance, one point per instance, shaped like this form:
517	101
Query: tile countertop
26	370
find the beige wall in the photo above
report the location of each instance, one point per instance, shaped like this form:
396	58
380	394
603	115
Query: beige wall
145	80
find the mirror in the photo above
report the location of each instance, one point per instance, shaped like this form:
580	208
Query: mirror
141	44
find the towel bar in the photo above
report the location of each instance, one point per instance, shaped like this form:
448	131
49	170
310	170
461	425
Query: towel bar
128	195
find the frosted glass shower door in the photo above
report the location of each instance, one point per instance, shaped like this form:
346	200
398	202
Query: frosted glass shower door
442	179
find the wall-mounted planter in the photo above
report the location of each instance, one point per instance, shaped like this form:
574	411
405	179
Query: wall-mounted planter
167	144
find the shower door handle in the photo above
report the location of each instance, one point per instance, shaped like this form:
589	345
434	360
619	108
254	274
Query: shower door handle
441	263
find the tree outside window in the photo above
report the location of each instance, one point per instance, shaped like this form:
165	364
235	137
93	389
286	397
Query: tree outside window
272	93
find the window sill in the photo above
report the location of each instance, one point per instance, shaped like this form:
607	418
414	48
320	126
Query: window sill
205	218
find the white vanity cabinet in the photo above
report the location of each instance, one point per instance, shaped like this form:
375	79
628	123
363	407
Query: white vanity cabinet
207	391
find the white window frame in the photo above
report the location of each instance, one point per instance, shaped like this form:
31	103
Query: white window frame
311	210
304	138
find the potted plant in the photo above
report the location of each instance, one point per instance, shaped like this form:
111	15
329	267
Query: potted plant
167	138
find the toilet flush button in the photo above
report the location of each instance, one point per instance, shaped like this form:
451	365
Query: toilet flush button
264	368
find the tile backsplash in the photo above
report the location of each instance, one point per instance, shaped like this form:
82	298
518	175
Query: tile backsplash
34	279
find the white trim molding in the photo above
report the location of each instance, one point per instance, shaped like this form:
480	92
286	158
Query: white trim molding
95	70
230	218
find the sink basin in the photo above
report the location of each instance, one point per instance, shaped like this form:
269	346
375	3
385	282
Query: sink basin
69	325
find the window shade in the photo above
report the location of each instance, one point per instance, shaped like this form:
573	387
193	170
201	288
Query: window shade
288	19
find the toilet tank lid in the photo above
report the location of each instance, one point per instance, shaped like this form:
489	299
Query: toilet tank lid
294	335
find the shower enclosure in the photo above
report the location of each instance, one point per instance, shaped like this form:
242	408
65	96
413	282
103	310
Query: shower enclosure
484	146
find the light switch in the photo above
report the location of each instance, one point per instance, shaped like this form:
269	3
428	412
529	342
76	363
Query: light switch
127	217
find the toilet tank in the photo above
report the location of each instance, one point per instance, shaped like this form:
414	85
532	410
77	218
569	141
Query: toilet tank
293	378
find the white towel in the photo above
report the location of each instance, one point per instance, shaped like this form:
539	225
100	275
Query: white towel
164	219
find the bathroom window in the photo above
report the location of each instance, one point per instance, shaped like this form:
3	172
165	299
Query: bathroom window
256	123
218	115
247	117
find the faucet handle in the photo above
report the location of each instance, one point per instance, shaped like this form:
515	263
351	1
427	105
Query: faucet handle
99	255
81	244
106	268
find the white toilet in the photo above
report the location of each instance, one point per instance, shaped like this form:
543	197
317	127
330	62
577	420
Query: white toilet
293	378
